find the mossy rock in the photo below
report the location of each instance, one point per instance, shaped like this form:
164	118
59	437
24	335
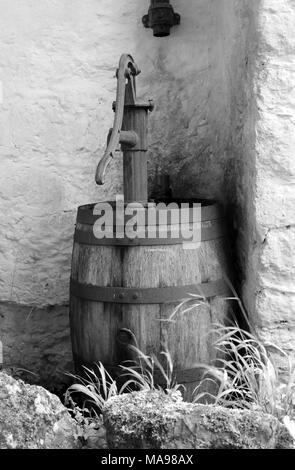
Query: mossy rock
155	420
33	418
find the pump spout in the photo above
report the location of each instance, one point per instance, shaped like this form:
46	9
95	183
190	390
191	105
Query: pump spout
128	138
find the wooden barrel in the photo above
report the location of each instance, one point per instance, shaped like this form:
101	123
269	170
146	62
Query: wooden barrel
124	288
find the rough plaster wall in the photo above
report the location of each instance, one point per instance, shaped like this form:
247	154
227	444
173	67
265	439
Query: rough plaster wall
273	255
36	343
57	62
57	68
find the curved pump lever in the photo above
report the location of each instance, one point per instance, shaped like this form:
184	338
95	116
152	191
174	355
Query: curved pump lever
126	94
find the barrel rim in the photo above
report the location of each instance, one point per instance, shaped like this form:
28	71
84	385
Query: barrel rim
84	235
210	209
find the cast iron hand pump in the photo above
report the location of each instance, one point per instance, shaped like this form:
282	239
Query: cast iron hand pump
129	130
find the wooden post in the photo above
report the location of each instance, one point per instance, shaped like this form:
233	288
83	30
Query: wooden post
135	157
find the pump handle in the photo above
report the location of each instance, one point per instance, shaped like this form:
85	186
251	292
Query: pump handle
126	94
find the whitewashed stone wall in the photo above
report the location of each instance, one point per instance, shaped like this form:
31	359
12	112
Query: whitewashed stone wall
57	63
271	258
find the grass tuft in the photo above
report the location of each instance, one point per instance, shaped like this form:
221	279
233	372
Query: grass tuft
246	375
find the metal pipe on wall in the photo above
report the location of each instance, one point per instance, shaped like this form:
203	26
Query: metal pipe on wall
161	18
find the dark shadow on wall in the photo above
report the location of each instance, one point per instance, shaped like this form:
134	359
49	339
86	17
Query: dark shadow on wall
202	131
240	175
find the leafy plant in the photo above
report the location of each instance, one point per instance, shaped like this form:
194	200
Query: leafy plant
97	388
247	377
186	305
142	373
88	421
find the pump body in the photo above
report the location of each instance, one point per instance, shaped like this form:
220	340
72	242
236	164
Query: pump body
130	130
